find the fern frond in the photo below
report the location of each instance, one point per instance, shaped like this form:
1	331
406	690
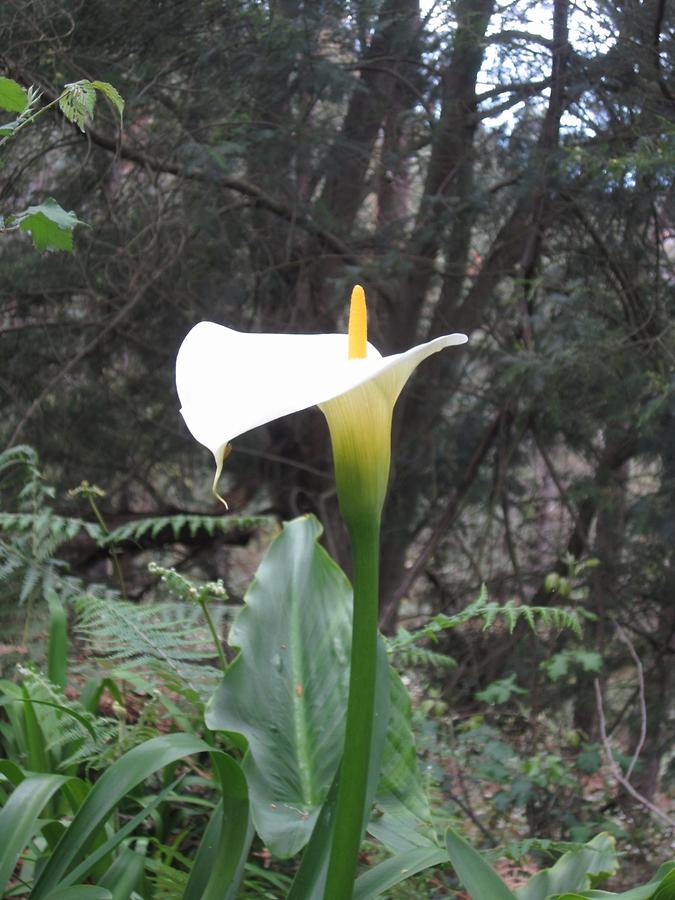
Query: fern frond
192	523
60	529
168	643
66	723
489	611
168	881
414	657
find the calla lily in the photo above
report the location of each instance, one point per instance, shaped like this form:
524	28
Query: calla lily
230	382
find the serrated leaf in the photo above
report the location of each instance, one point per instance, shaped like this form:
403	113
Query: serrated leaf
13	97
112	94
50	226
77	101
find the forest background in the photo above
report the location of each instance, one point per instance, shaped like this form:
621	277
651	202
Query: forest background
503	169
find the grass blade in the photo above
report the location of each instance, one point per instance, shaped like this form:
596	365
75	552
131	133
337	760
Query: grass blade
396	869
477	876
127	772
19	816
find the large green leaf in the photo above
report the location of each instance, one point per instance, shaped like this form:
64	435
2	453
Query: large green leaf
402	818
310	878
12	96
286	690
666	890
576	870
660	887
112	94
50	226
477	876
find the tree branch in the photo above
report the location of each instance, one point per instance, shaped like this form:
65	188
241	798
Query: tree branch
616	771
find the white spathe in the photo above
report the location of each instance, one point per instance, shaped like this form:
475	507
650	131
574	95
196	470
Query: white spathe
229	382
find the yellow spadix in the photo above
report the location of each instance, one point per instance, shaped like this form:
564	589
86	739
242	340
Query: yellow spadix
358	324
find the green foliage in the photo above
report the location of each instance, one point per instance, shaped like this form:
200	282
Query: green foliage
55	743
65	730
286	691
57	647
78	100
395	870
138	764
510	613
31	535
150	645
189	522
112	94
240	167
501	691
499	775
406	654
576	870
475	874
12	96
401	818
561	664
288	698
50	226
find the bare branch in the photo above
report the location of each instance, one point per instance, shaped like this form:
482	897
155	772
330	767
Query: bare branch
641	694
616	771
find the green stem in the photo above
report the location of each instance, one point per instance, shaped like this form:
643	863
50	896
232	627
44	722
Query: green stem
113	549
351	801
30	119
214	634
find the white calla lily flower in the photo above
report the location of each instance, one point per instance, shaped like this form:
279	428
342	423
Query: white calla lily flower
230	382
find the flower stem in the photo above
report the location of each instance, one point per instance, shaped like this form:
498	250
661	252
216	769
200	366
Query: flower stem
351	801
113	549
218	644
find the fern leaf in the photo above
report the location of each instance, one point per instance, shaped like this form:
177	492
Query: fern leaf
168	643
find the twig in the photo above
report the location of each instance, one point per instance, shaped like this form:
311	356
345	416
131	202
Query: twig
472	815
641	693
616	771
